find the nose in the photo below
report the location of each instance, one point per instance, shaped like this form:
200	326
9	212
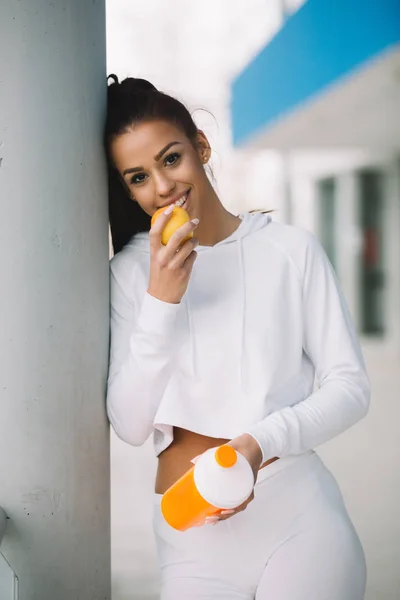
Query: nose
164	185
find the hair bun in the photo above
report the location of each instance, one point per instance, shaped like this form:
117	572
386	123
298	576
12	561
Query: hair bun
131	85
113	77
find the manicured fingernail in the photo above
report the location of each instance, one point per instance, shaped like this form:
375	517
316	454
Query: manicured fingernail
169	209
195	221
211	520
227	512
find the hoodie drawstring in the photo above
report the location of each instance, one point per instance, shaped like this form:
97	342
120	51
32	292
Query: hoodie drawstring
254	223
191	337
242	317
242	287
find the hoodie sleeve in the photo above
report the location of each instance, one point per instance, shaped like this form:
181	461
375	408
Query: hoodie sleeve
330	341
140	361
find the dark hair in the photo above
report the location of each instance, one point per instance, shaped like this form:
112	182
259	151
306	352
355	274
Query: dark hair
129	102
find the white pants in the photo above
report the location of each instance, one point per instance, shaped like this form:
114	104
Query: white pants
295	541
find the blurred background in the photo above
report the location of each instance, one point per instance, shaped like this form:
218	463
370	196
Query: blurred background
300	101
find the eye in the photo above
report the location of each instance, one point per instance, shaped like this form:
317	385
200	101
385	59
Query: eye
172	159
138	178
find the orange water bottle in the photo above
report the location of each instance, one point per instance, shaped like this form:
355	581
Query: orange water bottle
221	479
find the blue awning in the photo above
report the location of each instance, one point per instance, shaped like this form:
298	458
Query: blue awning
320	44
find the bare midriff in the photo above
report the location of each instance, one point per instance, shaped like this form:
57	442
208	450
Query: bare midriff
175	460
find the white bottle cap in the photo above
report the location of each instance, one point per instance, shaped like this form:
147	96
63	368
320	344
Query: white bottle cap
223	477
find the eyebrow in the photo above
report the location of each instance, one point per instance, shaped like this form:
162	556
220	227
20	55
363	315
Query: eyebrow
156	158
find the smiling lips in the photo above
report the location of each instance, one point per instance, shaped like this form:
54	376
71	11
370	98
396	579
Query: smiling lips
180	202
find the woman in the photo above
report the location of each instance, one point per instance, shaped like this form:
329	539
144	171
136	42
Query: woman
215	340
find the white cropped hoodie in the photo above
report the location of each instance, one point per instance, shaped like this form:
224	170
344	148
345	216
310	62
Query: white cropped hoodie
261	317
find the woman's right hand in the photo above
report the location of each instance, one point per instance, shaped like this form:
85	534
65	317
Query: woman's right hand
171	265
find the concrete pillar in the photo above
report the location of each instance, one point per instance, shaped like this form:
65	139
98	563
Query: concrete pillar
8	579
3	523
54	436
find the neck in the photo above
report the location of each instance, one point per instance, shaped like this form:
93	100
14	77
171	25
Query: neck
216	223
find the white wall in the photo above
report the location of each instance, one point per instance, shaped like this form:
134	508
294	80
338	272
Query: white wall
54	439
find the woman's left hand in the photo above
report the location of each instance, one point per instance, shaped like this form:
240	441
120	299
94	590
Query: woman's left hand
246	445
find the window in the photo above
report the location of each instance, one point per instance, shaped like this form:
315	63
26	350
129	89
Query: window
372	276
327	217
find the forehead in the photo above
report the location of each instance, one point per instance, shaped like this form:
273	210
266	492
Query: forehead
142	142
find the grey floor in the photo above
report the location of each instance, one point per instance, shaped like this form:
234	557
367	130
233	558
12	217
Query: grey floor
134	568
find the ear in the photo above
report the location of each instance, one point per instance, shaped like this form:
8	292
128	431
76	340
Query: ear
203	147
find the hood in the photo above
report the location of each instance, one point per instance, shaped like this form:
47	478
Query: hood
251	223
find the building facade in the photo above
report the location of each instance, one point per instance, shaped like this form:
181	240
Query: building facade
325	93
